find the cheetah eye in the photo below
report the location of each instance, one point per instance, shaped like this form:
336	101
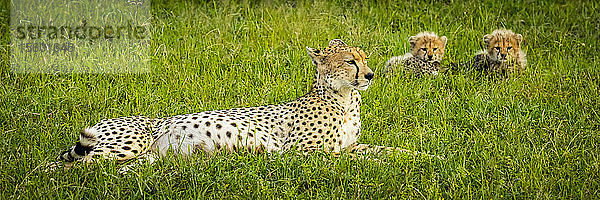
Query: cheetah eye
352	62
434	49
508	48
497	48
423	49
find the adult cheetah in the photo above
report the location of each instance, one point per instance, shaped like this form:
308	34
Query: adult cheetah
327	118
426	53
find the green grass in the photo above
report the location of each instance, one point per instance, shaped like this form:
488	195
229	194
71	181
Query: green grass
532	136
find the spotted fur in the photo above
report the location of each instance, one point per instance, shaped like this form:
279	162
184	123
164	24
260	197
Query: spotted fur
426	53
502	53
326	118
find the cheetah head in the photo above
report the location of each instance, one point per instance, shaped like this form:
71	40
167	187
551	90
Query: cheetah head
503	45
428	46
342	67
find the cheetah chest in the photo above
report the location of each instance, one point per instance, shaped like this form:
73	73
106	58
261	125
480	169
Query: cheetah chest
351	125
421	67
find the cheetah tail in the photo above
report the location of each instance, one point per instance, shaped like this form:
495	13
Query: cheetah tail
87	140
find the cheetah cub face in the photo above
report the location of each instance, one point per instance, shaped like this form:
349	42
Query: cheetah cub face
503	45
428	46
342	67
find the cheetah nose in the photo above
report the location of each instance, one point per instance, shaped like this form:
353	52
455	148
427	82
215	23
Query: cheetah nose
369	75
430	57
503	55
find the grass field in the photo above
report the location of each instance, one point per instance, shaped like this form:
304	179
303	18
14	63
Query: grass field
532	136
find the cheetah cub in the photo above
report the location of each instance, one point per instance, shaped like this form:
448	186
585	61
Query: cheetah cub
426	53
326	118
502	53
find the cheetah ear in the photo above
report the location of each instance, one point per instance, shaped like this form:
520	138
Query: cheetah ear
486	40
337	42
519	38
315	54
412	40
444	40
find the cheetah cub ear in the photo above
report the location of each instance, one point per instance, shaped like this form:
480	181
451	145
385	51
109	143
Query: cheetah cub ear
486	40
444	40
519	38
412	40
337	42
316	55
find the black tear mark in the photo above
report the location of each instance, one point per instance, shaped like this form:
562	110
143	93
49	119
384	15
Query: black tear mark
357	70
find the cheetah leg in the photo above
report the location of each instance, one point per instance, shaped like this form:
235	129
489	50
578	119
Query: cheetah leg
374	149
53	166
339	154
148	158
